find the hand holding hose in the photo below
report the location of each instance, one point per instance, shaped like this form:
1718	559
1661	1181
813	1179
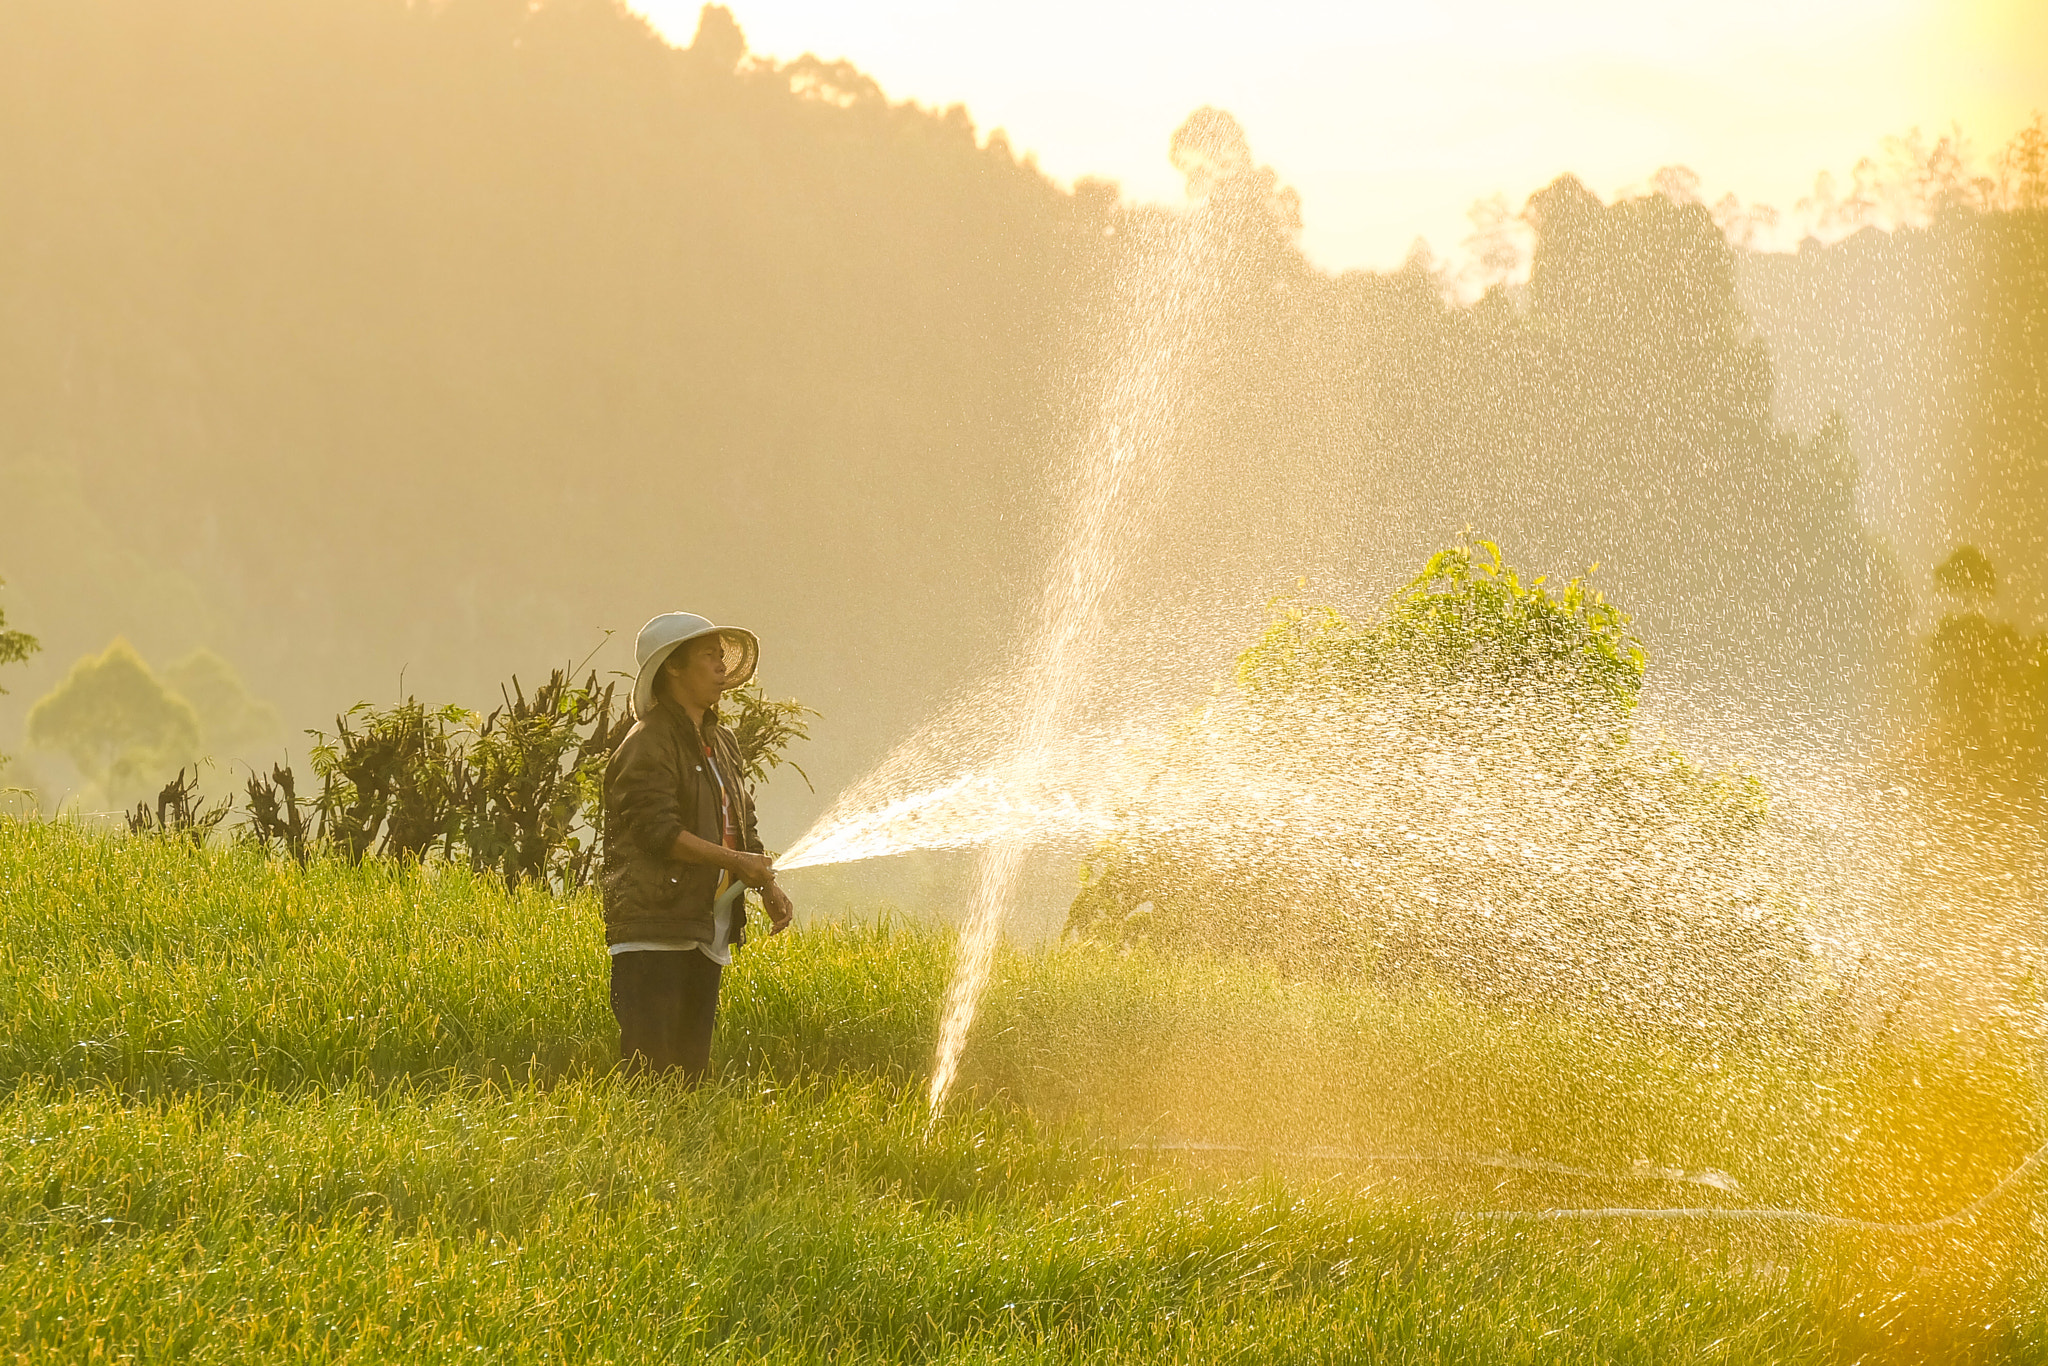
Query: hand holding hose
756	870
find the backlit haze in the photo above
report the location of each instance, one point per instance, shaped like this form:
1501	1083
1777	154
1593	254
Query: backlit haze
362	349
1390	120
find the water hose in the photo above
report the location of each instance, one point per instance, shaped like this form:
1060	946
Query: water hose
2011	1181
1507	1162
1781	1216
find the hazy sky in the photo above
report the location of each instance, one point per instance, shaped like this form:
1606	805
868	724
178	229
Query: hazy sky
1390	119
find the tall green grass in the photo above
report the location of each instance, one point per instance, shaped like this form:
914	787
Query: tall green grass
249	1112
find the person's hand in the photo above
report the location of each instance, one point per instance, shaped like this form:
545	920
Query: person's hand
753	869
776	902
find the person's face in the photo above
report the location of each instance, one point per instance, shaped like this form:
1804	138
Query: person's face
696	673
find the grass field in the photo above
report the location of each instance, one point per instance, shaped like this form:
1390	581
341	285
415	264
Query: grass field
252	1113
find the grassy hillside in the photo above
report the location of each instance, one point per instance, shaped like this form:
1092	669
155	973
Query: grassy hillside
253	1113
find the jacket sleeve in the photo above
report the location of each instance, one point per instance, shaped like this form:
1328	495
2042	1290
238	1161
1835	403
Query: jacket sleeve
646	810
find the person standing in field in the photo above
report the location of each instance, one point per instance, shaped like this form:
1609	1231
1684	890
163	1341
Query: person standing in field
680	846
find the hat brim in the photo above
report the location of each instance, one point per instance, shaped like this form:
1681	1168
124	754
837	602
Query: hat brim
742	654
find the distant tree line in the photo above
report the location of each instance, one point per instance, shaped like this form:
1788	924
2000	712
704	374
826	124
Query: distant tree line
350	336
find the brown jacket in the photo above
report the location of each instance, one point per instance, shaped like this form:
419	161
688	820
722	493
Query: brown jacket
657	785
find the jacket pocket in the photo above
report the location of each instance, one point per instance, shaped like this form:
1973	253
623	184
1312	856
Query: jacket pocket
667	889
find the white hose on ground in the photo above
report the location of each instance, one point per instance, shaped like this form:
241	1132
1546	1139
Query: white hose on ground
1782	1216
1732	1214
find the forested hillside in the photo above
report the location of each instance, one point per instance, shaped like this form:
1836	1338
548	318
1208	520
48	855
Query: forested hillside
353	336
358	341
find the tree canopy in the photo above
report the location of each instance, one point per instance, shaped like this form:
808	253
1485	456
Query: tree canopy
355	340
118	723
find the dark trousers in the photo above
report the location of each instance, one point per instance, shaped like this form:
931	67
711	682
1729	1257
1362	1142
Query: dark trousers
665	1003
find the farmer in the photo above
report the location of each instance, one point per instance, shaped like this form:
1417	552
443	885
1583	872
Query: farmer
680	846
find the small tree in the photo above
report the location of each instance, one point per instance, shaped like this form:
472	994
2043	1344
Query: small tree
231	719
117	723
15	647
1986	683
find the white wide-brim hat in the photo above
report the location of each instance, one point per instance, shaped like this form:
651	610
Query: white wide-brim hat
662	636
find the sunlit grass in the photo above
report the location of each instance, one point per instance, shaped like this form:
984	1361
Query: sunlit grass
353	1114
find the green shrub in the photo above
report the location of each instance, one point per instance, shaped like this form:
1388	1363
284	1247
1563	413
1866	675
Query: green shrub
1453	793
1986	688
1466	623
517	791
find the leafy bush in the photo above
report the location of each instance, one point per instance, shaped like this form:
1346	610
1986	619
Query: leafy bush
518	792
530	771
763	728
180	810
1986	688
1466	623
1452	793
388	779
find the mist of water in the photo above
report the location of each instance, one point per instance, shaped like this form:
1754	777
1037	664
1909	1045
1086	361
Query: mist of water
1507	847
1118	467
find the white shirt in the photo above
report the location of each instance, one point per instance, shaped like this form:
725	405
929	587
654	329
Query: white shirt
719	950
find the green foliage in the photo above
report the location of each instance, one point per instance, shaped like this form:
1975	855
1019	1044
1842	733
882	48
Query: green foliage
232	720
530	772
15	646
518	792
1986	684
507	790
117	722
388	779
1465	622
764	728
1475	621
1967	574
